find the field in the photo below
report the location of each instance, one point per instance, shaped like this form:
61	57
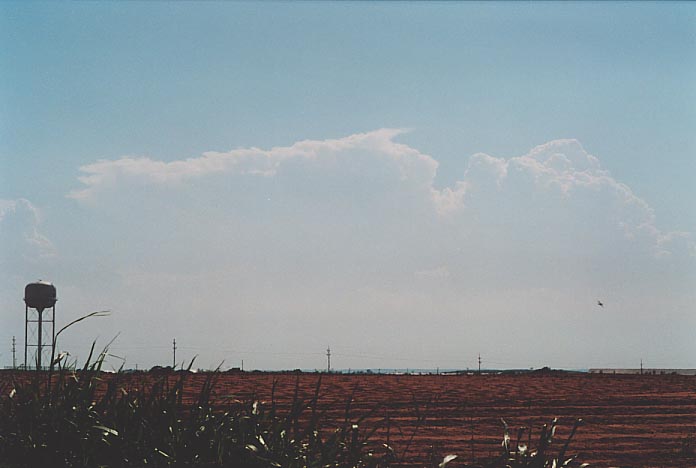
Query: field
630	420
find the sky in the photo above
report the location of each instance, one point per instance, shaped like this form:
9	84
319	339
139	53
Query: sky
411	184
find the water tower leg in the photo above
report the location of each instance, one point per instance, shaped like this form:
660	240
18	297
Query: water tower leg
26	334
53	334
38	352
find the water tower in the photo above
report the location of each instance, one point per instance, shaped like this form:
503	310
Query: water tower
39	297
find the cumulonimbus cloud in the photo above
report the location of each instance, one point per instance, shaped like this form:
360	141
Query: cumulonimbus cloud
559	170
412	164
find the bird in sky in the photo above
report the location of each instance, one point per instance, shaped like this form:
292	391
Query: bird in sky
600	304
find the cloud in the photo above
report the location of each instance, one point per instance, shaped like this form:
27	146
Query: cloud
325	236
411	164
557	190
19	232
561	175
449	200
674	242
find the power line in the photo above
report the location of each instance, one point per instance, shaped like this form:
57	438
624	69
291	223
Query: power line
382	359
328	359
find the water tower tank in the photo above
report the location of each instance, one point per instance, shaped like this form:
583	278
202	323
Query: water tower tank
40	295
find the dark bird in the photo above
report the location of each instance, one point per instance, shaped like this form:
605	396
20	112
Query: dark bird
599	303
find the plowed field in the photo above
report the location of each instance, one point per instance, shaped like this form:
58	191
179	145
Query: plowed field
630	420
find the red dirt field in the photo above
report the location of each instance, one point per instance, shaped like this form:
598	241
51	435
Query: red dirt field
630	420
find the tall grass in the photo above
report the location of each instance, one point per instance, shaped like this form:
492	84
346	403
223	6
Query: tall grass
82	420
518	453
74	417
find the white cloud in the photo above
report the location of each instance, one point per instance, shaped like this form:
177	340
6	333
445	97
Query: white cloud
19	231
321	237
449	200
674	242
412	165
562	170
558	179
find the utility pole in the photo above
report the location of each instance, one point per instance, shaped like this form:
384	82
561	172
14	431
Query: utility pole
328	359
174	349
479	361
242	365
641	367
14	354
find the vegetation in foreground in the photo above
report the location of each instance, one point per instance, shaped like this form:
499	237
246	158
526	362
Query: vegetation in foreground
70	417
78	420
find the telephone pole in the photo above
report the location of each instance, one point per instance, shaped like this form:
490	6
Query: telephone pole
328	359
641	367
174	349
479	361
14	354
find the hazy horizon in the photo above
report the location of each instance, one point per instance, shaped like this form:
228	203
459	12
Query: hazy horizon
411	184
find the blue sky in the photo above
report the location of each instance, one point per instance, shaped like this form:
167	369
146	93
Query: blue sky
414	230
